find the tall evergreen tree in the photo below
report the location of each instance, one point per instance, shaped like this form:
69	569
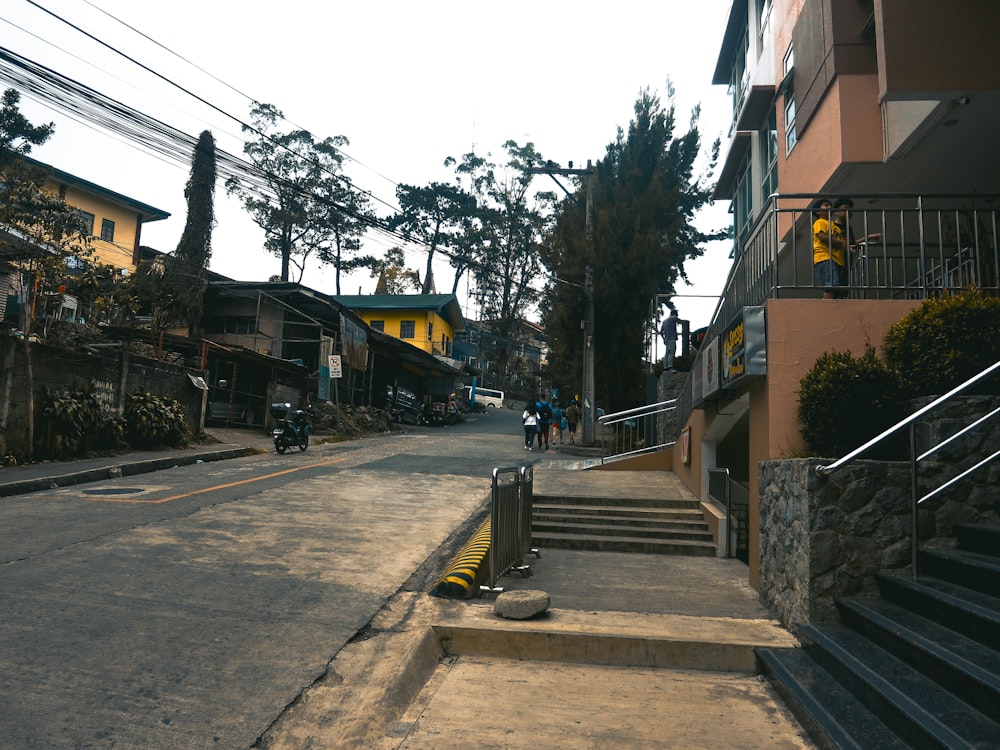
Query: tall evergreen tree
511	220
195	247
645	198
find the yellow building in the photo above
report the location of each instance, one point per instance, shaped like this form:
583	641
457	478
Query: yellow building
115	220
427	321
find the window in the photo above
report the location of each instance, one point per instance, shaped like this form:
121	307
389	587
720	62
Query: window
107	230
430	332
791	137
233	324
407	329
377	325
743	199
87	220
769	155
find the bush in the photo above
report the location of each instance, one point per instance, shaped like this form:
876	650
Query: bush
155	422
844	401
75	423
944	342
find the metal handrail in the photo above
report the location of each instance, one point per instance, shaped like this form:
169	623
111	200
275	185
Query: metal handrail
618	422
909	422
841	462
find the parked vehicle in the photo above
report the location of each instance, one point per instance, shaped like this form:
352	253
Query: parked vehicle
292	431
403	405
485	397
443	413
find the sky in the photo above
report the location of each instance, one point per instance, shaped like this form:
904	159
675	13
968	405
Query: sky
407	83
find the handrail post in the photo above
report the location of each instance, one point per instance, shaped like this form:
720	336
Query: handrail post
913	499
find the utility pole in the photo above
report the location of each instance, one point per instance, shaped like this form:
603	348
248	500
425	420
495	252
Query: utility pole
588	407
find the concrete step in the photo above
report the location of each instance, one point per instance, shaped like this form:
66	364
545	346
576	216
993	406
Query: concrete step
609	500
559	540
618	511
649	529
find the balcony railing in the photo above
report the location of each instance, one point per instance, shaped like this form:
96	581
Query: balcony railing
920	246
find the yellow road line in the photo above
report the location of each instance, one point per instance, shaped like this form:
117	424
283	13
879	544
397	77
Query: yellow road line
216	487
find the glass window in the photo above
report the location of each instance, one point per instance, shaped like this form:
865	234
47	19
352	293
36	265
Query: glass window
107	230
407	329
743	199
87	219
769	156
377	325
791	137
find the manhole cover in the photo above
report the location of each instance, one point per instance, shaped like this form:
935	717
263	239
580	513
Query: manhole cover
114	491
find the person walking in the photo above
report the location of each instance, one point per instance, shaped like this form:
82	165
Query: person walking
668	330
558	422
572	419
529	418
544	424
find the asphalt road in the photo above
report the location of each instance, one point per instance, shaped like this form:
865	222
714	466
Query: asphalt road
190	607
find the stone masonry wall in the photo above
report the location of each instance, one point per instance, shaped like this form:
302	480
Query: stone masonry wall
822	538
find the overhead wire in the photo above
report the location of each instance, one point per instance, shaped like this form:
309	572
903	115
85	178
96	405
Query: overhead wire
157	138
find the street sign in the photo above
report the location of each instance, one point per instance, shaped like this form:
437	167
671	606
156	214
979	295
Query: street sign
336	371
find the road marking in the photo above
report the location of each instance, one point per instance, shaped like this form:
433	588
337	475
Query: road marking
214	488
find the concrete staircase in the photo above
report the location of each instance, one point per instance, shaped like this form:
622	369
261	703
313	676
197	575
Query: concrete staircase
621	524
918	667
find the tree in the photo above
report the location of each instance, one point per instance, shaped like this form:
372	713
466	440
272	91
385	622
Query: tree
393	275
299	195
39	232
645	199
437	216
195	247
512	219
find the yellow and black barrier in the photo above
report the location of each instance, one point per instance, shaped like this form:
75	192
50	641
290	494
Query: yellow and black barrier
459	580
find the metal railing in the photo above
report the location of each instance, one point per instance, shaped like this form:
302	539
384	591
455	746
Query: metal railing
906	246
510	524
910	423
636	431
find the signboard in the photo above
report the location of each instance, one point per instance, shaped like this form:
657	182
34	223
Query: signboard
744	352
336	370
705	373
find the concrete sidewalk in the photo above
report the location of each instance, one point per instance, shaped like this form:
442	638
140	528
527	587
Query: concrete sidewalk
636	650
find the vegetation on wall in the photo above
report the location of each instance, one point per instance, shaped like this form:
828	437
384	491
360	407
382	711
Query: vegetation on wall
944	342
155	422
74	423
844	401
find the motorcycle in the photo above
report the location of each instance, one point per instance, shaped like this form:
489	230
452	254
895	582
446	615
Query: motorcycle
289	432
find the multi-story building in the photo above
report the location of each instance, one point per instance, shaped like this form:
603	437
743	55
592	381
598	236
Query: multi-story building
113	222
892	103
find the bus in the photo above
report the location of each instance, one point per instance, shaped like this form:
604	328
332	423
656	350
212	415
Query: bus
486	397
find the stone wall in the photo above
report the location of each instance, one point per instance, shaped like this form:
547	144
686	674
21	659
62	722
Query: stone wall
822	538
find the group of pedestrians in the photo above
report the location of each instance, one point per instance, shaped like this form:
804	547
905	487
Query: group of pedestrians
544	421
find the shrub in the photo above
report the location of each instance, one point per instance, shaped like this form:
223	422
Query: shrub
944	342
155	422
75	423
844	401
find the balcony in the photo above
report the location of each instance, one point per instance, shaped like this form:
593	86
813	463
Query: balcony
919	247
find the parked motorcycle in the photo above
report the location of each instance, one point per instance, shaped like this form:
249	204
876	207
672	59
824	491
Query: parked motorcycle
292	431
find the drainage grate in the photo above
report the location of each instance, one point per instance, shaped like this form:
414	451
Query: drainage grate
114	491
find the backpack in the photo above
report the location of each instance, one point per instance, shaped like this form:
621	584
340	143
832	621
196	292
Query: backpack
545	412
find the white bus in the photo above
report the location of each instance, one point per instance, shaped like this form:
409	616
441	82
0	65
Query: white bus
487	397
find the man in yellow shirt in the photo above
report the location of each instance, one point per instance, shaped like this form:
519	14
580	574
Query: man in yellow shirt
830	246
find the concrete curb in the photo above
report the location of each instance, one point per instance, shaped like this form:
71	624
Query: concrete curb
110	470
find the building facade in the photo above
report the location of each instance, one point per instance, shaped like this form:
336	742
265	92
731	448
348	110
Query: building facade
890	103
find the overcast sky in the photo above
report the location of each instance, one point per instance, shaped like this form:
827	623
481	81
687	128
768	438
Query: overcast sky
408	84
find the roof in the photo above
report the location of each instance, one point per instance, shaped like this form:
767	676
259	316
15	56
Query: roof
445	305
146	212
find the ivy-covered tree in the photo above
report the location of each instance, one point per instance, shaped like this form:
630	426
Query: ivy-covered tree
645	197
299	195
195	247
512	219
